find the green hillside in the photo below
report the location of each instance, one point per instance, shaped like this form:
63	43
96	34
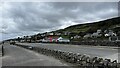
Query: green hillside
111	24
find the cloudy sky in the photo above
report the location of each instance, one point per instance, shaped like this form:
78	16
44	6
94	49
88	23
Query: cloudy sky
27	18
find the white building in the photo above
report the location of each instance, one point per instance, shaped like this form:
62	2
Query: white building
114	38
110	33
87	36
96	35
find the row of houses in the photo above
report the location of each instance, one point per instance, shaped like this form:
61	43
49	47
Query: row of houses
51	36
111	35
47	36
99	33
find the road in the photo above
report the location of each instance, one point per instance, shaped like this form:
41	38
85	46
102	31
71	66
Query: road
17	56
100	51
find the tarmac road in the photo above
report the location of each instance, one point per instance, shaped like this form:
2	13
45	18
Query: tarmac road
17	56
100	51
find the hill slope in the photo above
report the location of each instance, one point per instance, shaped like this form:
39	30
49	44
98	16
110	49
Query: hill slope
112	24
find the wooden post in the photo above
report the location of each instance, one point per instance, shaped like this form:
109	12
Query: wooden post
2	51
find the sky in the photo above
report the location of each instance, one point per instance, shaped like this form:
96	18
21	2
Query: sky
28	18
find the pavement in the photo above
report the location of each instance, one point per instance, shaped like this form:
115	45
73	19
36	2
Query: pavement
99	51
17	56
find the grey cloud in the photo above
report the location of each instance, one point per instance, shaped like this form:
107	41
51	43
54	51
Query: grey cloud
86	9
30	17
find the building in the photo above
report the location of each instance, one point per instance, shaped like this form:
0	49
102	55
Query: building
95	35
87	36
110	33
114	38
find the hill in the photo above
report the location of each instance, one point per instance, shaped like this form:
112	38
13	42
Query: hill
109	24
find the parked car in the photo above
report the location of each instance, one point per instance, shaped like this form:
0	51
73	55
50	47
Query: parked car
45	40
12	42
31	48
64	40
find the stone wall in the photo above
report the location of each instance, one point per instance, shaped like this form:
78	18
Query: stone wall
77	59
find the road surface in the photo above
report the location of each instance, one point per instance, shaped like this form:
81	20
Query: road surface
100	51
17	56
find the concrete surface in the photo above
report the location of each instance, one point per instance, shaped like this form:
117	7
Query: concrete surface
17	56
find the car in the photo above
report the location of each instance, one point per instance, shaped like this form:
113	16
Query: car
31	48
64	40
12	42
45	40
